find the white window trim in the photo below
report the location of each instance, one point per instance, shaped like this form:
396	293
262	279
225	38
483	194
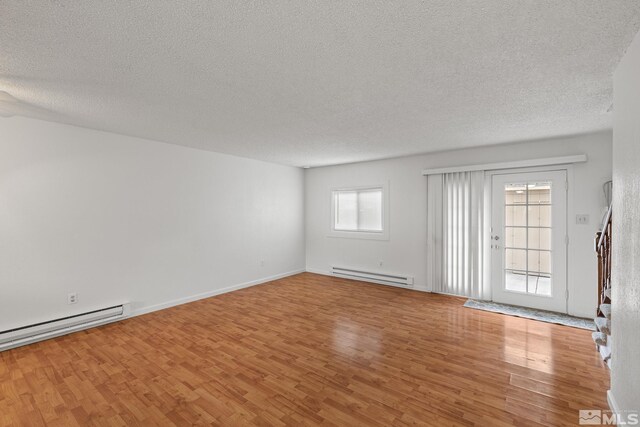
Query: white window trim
371	235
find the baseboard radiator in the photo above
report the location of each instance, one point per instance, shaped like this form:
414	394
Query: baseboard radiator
372	276
41	331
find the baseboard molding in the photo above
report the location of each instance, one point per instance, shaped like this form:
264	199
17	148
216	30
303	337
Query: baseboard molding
209	294
613	405
581	314
322	272
328	273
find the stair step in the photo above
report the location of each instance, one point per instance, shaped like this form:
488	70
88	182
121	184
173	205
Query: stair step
603	324
606	310
599	338
607	293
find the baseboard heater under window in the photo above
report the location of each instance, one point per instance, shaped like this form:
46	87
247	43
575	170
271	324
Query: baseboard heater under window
371	276
41	331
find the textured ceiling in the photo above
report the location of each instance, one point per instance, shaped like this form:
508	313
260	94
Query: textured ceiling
316	82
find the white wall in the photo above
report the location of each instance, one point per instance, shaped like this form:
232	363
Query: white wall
116	219
405	251
625	318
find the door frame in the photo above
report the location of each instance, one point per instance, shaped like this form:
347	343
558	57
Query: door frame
488	199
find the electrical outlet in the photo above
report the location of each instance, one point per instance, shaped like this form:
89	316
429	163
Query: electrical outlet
582	219
379	263
262	263
72	298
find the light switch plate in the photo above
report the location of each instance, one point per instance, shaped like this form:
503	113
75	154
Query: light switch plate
582	219
72	298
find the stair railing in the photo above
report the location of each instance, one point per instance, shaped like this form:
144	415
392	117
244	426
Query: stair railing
603	250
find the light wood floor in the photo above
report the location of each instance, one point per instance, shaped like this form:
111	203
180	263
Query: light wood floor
308	350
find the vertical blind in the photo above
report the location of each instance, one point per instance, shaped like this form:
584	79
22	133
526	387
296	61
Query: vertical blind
455	227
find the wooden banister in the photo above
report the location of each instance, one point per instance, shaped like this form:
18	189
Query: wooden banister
602	243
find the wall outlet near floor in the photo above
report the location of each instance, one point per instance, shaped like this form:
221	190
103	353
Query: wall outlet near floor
582	219
379	263
72	298
262	263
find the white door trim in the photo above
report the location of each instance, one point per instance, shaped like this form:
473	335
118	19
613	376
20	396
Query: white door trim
489	254
571	213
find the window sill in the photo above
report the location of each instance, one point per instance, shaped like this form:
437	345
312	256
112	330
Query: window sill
359	235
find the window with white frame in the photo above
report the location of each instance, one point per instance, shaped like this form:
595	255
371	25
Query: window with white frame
358	210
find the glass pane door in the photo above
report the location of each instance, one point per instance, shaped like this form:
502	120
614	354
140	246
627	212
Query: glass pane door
527	233
528	247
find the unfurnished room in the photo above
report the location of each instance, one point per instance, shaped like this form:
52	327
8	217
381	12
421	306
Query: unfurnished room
338	213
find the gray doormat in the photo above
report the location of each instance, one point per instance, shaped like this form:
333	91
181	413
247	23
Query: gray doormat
532	313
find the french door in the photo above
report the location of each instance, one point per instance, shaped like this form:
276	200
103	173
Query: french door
528	239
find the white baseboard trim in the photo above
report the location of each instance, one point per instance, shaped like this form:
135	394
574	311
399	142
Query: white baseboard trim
328	273
581	314
184	300
322	272
613	405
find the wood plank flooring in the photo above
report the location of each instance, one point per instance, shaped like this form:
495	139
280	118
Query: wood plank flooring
308	350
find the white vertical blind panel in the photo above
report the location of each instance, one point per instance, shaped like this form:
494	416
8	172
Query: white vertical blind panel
436	253
456	232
